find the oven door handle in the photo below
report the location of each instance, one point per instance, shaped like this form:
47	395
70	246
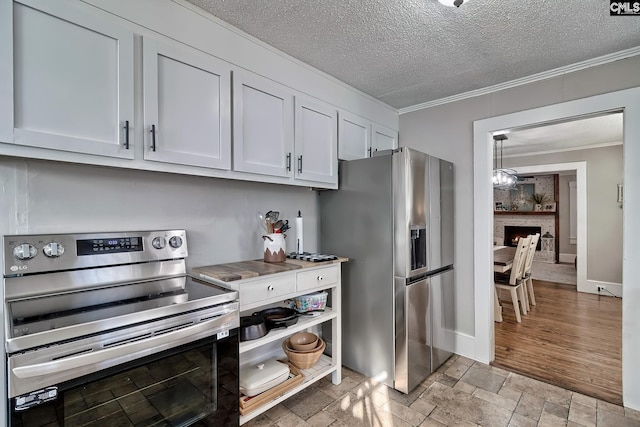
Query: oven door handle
129	350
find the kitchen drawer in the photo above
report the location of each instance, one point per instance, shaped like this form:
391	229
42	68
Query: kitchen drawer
267	289
315	278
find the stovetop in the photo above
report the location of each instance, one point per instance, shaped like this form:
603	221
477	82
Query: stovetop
43	320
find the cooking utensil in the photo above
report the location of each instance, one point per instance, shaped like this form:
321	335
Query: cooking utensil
256	378
279	317
252	327
279	226
262	222
272	216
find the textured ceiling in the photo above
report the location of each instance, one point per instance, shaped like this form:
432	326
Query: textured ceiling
408	52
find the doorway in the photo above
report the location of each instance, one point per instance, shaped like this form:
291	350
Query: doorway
627	101
569	338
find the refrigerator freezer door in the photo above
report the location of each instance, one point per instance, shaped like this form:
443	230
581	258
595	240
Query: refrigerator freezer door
413	334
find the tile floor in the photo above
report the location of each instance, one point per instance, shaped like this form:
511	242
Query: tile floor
461	393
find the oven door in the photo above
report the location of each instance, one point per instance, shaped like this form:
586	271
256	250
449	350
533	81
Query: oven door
193	384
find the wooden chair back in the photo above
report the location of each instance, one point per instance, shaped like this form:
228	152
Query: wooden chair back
519	260
531	253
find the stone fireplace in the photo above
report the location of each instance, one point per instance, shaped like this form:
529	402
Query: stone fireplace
513	232
527	224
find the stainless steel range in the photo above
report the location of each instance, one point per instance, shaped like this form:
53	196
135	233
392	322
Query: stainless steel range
107	328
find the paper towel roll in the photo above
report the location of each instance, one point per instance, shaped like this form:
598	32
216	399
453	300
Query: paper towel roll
299	229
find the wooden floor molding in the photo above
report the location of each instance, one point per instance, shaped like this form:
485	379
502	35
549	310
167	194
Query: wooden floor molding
569	339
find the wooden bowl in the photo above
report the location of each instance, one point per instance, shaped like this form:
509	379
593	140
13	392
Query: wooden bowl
302	341
303	359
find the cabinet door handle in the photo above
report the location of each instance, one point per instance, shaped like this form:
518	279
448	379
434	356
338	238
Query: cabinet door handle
300	163
153	137
126	134
289	162
320	278
270	288
369	151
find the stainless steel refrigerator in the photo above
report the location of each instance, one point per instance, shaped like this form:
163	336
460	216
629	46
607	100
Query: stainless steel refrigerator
393	217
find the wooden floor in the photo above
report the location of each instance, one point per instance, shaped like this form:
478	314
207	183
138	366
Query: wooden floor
569	339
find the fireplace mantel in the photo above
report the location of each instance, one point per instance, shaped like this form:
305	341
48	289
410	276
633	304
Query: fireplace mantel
522	213
548	220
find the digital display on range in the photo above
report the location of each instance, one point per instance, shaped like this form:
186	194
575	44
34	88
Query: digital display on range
109	246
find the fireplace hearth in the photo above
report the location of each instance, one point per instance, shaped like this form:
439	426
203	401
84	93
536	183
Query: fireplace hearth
513	233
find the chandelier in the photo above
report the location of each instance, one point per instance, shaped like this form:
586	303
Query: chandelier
503	179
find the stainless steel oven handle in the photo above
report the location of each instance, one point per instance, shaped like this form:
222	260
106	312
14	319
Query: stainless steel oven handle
85	359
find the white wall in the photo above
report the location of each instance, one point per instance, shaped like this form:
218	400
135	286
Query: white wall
564	214
219	215
447	131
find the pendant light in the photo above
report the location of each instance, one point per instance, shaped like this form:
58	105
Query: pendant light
503	179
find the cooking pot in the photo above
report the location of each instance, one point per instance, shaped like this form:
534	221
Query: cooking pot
279	317
252	327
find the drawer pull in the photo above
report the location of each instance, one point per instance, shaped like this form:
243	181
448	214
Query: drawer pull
320	278
270	287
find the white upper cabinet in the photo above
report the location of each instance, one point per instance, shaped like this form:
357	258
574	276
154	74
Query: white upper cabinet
358	137
187	106
6	71
354	138
262	125
383	138
316	145
72	80
107	82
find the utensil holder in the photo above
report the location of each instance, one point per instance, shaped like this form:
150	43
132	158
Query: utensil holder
275	248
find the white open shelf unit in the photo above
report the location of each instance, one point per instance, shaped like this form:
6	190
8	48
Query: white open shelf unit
323	367
304	322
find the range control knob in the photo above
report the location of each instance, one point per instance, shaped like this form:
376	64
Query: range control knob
175	242
159	242
53	249
25	251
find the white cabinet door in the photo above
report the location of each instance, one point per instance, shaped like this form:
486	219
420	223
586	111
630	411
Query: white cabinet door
316	134
354	137
383	138
262	125
6	71
187	106
72	79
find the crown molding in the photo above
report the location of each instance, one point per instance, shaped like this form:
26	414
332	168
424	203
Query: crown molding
601	60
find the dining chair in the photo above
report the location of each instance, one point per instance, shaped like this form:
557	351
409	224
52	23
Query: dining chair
528	281
515	285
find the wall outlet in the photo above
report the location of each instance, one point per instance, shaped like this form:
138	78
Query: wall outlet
602	288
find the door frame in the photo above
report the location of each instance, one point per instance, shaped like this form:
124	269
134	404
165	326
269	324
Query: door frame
627	101
580	168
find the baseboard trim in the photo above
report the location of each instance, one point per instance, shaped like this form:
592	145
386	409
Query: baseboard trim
465	345
592	287
567	258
